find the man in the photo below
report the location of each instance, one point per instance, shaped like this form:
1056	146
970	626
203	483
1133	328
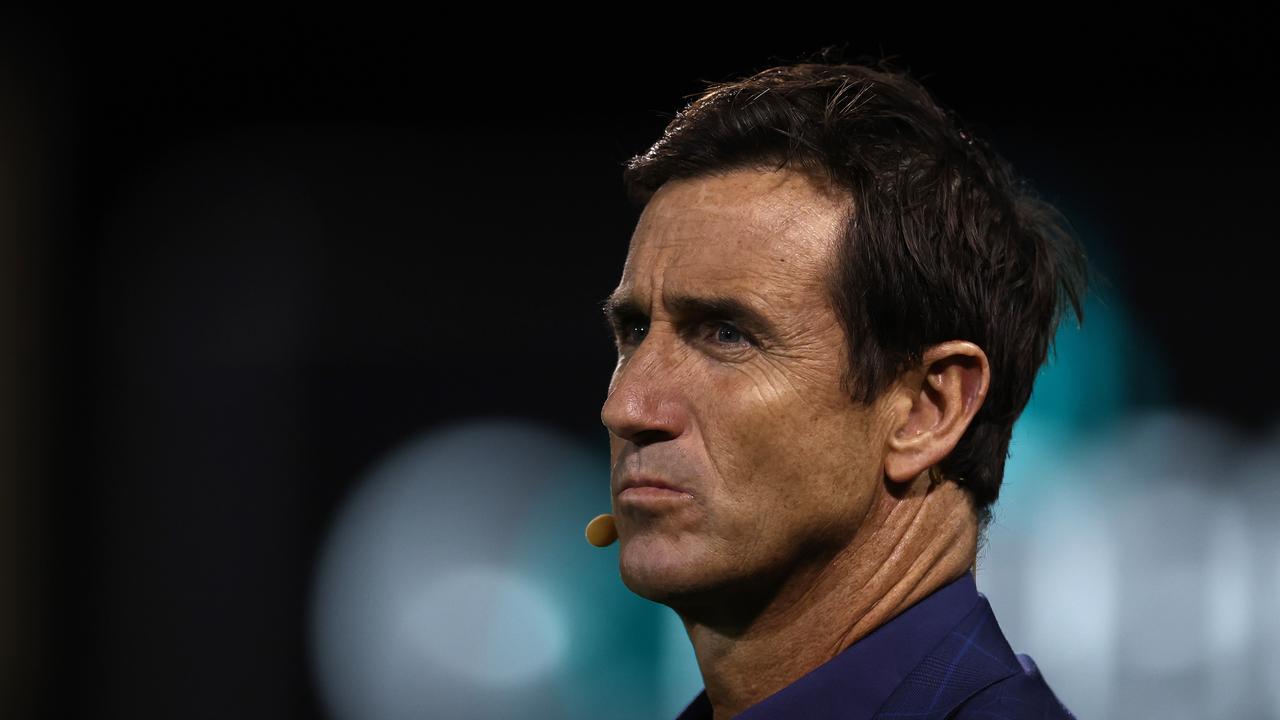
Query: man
832	311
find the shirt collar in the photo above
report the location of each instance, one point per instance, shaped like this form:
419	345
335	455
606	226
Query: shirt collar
861	677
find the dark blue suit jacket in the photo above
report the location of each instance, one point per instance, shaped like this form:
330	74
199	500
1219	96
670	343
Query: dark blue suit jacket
944	657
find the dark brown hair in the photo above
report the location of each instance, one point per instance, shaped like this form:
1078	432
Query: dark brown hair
944	242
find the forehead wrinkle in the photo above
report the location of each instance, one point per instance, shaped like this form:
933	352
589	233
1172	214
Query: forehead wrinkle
699	232
777	228
776	200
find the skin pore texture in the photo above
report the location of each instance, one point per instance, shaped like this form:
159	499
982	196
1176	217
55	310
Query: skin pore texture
783	521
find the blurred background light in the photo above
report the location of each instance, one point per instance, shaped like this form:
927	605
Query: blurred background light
456	583
488	625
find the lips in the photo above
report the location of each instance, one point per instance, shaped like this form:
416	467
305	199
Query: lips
649	486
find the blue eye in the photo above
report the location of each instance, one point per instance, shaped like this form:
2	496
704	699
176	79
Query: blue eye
729	334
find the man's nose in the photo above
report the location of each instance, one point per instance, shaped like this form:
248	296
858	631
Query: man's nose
646	403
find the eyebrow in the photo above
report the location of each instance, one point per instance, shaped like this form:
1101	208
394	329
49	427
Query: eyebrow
620	308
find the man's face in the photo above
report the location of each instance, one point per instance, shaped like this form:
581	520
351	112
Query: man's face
727	389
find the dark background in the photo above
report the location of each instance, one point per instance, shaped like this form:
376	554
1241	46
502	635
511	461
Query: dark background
244	256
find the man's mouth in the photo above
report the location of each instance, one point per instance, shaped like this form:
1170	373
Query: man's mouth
639	489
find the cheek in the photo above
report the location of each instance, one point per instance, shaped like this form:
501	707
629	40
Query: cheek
788	462
761	446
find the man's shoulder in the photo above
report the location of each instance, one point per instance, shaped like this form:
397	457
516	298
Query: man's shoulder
974	673
1024	694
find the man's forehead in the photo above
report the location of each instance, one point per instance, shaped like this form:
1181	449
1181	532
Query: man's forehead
770	202
738	224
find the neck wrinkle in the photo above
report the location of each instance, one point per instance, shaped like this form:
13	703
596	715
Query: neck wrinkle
912	545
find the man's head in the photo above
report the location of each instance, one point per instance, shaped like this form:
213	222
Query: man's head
832	291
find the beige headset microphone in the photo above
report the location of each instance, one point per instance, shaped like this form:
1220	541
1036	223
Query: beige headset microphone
601	531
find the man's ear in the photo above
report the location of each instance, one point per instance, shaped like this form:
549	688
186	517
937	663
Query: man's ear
933	405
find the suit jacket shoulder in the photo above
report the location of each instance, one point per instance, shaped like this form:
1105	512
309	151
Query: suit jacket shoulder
973	673
1022	695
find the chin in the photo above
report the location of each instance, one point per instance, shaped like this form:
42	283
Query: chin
662	569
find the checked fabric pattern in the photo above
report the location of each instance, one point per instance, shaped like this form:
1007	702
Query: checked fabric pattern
973	673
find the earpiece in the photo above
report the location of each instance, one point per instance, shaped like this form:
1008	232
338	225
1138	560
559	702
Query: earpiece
601	531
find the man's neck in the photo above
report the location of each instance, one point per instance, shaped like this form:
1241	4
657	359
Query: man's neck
909	547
